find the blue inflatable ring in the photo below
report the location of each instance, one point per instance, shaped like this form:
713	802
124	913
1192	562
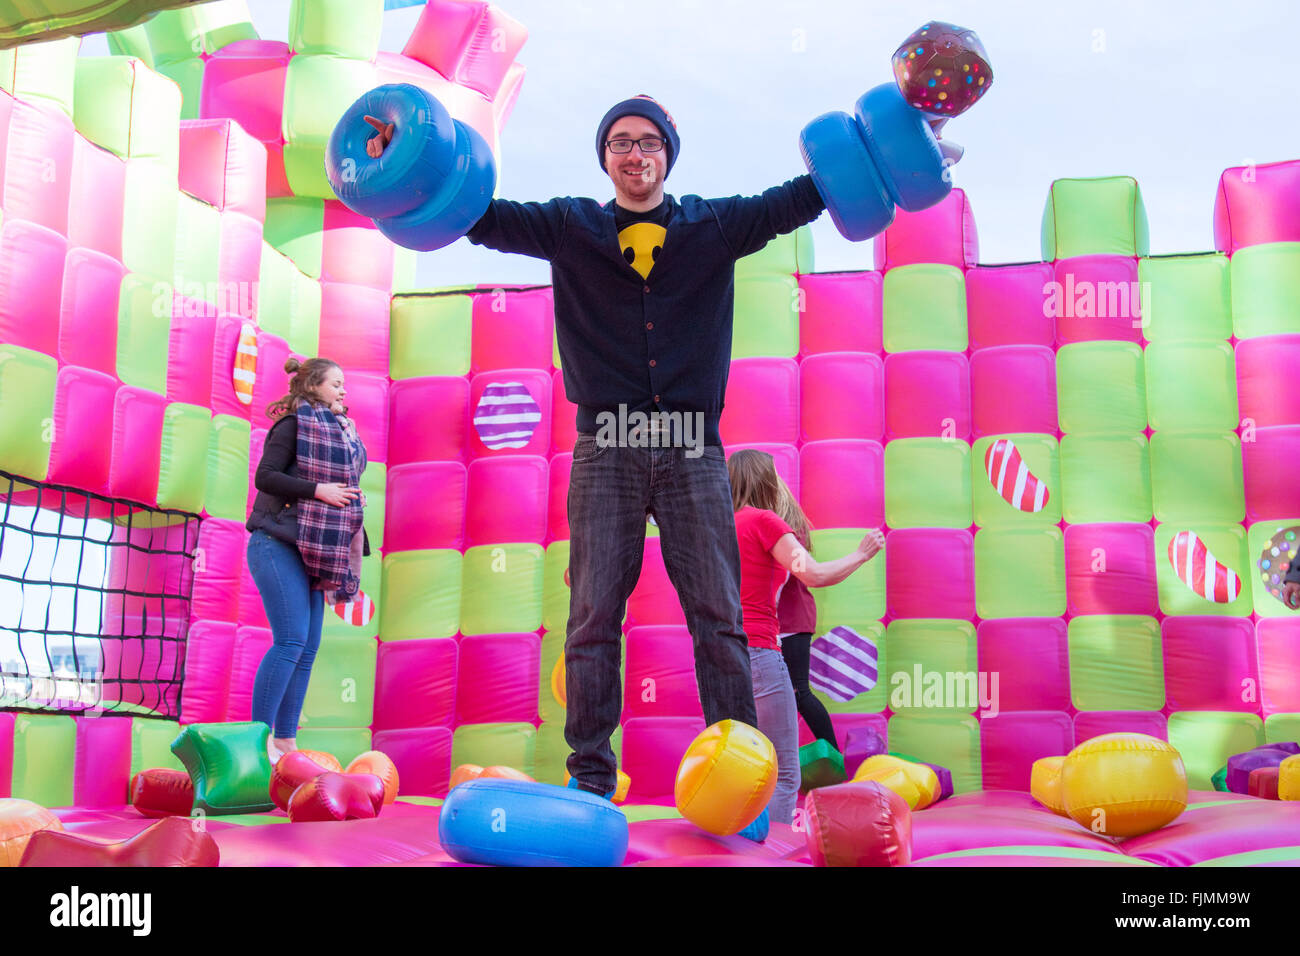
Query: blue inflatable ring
903	147
845	175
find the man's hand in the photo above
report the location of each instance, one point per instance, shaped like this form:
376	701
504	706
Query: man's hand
383	136
1291	595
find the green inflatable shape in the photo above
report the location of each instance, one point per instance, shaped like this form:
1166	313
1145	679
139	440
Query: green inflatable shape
859	597
1042	455
421	595
345	743
932	666
43	73
430	335
227	488
296	227
790	254
125	107
151	745
1206	739
491	745
317	90
405	269
183	464
1116	662
1019	572
228	766
43	19
131	41
875	700
144	309
1196	477
1266	289
304	317
275	289
502	589
766	316
174	36
925	308
198	249
26	409
1283	855
1101	388
372	582
342	688
374	485
339	28
1227	542
820	765
1191	386
188	75
1105	478
550	751
149	213
1100	216
947	740
1282	727
927	483
555	593
45	750
1186	298
1220	779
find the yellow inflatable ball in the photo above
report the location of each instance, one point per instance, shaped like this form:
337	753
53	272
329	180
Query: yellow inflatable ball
914	782
1123	785
19	819
1045	783
1288	779
726	777
620	791
557	682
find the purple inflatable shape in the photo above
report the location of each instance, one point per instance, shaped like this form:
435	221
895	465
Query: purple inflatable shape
945	781
861	744
1240	765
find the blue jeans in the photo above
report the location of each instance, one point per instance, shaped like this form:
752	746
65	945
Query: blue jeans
777	720
296	614
611	490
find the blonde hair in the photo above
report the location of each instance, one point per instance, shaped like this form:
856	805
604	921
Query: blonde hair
307	376
793	515
755	484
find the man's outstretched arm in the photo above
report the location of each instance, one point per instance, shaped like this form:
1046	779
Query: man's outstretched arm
527	228
748	223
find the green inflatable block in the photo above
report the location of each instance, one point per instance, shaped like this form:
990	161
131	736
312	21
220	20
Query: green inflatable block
1206	739
317	91
374	485
1227	542
875	700
45	749
927	483
341	27
151	744
183	464
144	309
555	593
858	598
372	579
1099	216
932	666
405	269
275	288
125	107
790	254
1116	662
227	487
549	707
925	308
1266	289
421	595
26	411
766	316
1105	478
43	72
296	227
304	315
228	766
550	753
1220	779
188	76
430	335
1279	727
502	589
1019	572
1191	386
820	765
198	249
149	212
495	745
346	744
1263	578
948	740
1186	298
131	41
176	35
1101	388
342	688
1041	454
1196	477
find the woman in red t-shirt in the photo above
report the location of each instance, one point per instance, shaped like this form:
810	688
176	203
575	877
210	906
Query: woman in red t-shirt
769	553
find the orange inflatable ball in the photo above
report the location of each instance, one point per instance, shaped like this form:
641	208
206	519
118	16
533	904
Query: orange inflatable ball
1045	783
914	782
506	773
466	771
557	682
19	819
328	761
858	824
726	778
1288	779
372	761
620	790
1123	785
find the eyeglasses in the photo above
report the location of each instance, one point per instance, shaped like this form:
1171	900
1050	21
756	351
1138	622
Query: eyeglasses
648	144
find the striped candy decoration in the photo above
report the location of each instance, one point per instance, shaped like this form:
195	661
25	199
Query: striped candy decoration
843	664
245	371
1011	477
506	416
1201	571
357	613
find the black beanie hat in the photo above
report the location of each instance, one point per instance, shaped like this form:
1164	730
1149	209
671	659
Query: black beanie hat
646	107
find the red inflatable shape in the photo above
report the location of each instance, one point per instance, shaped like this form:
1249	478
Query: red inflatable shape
858	824
289	773
171	841
337	796
162	792
1263	782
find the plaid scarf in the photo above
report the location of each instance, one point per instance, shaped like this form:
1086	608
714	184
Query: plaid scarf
329	538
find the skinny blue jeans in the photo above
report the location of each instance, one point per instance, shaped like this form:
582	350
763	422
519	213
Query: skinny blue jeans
296	614
779	722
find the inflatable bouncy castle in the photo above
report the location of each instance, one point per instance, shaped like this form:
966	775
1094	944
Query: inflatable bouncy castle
1081	465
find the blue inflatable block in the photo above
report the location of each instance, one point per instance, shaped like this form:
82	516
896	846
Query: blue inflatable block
459	203
903	147
414	165
846	177
521	823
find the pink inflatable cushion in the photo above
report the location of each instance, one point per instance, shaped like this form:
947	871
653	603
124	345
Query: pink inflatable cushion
564	417
654	600
88	310
512	330
353	250
1279	661
97	193
224	166
354	326
557	495
510	412
1032	655
1013	389
137	444
251	645
1217	828
507	500
498	678
31	281
425	506
239	264
367	402
842	312
422	756
1208	661
910	588
102	764
1256	204
945	233
1270	488
190	352
652	750
1005	305
786	458
1094	723
1266	367
216	593
660	671
209	652
675	838
1097	297
995	818
469	43
762	402
842	483
38	165
415	684
244	81
842	395
1111	569
1010	742
83	416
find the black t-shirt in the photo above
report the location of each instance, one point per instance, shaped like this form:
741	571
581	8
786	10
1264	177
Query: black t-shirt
641	235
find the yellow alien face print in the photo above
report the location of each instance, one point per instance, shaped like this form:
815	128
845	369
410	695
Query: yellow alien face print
641	243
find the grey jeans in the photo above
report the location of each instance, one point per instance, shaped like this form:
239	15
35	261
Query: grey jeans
779	722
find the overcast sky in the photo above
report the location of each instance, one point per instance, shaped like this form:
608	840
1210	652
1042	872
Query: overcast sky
1168	92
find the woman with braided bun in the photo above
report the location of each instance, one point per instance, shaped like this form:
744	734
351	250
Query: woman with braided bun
307	537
